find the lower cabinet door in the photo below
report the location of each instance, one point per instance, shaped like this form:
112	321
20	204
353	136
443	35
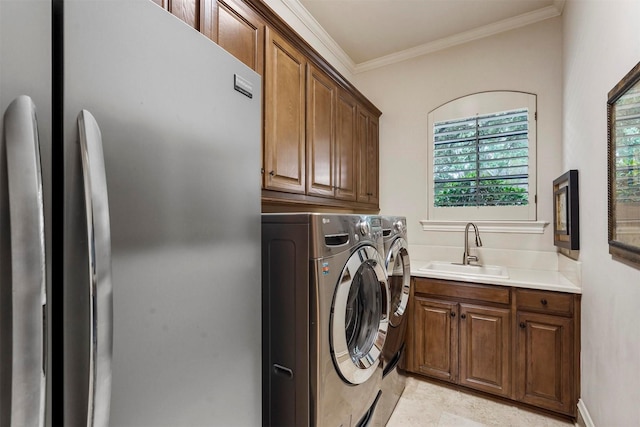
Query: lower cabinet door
485	348
545	361
436	338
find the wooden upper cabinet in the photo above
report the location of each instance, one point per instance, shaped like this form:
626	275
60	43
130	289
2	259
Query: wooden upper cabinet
320	135
237	29
321	119
284	145
367	129
373	163
186	10
362	133
346	162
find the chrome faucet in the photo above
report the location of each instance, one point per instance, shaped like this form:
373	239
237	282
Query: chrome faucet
466	258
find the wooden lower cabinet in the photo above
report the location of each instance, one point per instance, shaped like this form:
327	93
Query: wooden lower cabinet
545	361
485	348
515	343
436	338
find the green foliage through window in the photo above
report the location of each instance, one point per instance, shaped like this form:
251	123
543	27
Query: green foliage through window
482	160
627	123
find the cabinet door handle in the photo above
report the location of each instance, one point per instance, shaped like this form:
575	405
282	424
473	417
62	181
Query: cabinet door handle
452	314
272	173
543	301
523	325
463	316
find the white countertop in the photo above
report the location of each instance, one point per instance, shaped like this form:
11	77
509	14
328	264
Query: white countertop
548	280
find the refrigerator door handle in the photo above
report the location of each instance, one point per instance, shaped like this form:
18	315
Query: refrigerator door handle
100	287
28	269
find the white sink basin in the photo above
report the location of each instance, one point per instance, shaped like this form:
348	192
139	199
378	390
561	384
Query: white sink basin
453	269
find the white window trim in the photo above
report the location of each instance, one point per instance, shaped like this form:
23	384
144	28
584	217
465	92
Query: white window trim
516	227
480	104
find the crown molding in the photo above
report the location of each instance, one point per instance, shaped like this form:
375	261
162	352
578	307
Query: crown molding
559	5
314	26
478	33
465	37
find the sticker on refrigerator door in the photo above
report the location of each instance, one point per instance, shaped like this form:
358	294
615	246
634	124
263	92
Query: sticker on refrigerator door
243	86
325	268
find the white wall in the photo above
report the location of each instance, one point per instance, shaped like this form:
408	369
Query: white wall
528	59
601	44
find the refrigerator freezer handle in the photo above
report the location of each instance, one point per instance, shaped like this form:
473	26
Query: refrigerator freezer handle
28	272
100	287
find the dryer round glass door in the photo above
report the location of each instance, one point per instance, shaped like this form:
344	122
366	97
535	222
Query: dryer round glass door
399	277
360	315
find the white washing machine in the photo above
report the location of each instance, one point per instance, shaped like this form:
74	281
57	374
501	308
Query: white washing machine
397	263
325	315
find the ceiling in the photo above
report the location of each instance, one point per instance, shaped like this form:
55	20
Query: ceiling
366	34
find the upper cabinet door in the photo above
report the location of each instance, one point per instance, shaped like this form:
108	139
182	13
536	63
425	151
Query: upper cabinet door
362	132
284	149
186	10
237	29
373	161
321	106
367	129
346	162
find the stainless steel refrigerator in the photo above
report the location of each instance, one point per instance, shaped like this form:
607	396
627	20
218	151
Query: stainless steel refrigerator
160	247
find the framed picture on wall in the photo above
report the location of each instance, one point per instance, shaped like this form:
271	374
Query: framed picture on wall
623	143
566	221
560	217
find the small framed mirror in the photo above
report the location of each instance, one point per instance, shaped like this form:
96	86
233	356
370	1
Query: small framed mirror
623	133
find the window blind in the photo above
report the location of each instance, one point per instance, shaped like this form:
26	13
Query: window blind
482	160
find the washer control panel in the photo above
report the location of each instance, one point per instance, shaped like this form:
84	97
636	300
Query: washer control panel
363	227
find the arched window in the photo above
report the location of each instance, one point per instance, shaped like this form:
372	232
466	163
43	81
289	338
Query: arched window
482	158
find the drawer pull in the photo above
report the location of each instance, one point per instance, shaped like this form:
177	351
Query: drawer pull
463	316
543	301
452	314
523	325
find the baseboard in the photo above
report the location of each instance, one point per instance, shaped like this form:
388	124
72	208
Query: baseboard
584	419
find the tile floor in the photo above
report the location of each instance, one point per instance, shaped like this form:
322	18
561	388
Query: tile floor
425	404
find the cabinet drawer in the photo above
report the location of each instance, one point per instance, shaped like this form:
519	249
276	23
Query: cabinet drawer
544	301
462	290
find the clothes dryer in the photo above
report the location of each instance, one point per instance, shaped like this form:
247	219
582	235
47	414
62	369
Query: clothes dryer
397	263
326	310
